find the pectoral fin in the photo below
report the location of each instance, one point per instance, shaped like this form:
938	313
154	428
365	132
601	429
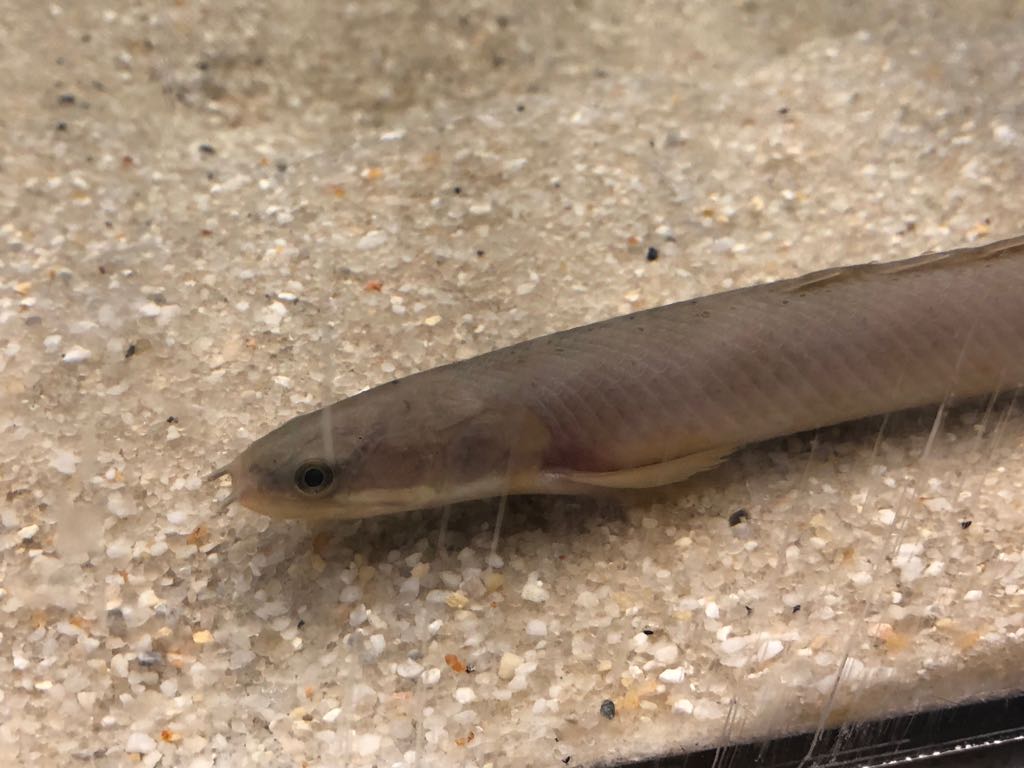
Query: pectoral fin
649	475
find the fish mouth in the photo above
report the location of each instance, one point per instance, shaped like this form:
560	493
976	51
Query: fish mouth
276	504
250	495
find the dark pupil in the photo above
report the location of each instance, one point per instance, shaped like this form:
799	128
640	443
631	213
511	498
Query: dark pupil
314	477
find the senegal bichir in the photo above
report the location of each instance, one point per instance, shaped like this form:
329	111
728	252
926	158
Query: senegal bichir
651	398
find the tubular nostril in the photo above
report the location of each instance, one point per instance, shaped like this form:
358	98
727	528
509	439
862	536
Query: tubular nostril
227	469
228	500
218	473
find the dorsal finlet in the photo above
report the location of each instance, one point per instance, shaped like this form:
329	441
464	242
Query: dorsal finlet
926	261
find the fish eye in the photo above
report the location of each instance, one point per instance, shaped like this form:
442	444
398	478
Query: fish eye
313	478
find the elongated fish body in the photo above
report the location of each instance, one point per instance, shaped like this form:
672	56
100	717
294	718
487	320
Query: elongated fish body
650	398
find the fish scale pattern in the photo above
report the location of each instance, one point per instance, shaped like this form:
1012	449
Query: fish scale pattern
759	362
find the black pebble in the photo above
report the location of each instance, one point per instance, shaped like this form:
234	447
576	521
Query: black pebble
129	352
206	149
457	190
66	98
739	516
608	709
652	254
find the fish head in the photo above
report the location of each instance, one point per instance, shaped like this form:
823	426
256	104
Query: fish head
398	447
